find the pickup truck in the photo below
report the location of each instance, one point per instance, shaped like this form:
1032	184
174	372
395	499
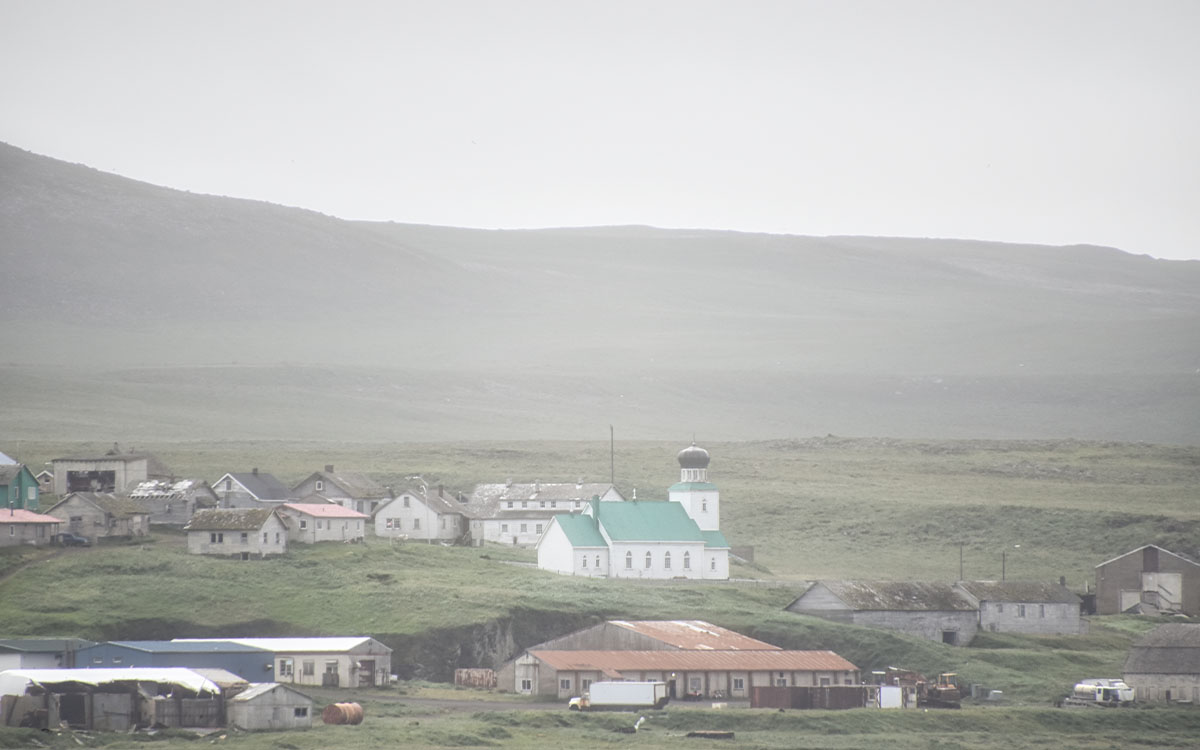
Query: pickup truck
68	539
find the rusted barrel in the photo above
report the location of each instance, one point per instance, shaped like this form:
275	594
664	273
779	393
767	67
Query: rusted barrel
342	713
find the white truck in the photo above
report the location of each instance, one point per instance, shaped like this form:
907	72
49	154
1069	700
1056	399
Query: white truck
1103	693
621	696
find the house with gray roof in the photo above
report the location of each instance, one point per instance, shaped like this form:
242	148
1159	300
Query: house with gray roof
676	538
40	653
423	513
252	489
237	532
518	513
350	489
1164	664
101	515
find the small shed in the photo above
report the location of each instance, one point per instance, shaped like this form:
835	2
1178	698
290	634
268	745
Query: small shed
269	705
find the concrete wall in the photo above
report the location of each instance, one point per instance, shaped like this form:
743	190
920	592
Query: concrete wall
126	472
1161	688
1050	618
310	668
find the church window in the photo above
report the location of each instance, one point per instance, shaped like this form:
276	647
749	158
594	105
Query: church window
713	565
667	560
703	506
628	560
687	560
585	561
647	559
597	561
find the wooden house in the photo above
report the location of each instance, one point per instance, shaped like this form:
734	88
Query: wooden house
26	527
349	489
421	513
1148	580
172	502
252	489
101	515
1164	664
309	523
266	706
237	532
19	488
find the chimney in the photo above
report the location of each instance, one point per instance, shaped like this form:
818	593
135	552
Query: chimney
254	471
441	491
635	493
328	468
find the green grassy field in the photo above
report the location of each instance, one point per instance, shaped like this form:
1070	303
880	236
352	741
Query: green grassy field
829	507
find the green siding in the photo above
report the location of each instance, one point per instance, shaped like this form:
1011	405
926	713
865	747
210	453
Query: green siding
15	482
642	521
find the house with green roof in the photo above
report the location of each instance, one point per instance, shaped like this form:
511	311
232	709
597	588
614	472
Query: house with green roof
644	539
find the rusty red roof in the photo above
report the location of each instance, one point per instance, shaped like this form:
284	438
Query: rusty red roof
695	635
695	661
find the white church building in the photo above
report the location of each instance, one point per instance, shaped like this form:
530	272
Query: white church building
618	538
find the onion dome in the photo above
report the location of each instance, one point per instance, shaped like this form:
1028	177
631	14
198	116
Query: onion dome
693	457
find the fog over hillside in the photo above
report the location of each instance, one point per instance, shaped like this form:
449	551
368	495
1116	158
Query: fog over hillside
130	306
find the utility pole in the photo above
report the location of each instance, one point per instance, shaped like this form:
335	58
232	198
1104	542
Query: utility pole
612	456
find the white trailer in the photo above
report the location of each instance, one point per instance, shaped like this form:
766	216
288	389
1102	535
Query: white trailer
621	696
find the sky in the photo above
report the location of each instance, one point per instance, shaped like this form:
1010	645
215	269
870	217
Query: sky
1050	121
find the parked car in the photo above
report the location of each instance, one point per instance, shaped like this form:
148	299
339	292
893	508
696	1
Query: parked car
67	539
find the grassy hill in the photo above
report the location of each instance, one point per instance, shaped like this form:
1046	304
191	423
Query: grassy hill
131	306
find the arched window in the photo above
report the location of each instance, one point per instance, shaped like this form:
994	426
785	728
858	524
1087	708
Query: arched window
647	559
628	560
667	560
585	561
687	560
703	506
597	561
713	565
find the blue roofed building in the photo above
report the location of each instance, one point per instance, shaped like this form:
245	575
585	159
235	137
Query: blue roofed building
679	538
251	663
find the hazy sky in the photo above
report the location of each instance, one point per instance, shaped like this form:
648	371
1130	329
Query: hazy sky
1051	122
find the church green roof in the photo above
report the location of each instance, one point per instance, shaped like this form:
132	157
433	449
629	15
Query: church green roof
648	521
691	486
581	530
714	539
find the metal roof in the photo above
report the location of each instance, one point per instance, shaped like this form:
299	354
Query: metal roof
20	515
695	661
303	645
324	510
1173	648
262	688
16	681
44	645
581	530
694	635
260	484
356	485
1155	546
188	647
112	504
648	521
